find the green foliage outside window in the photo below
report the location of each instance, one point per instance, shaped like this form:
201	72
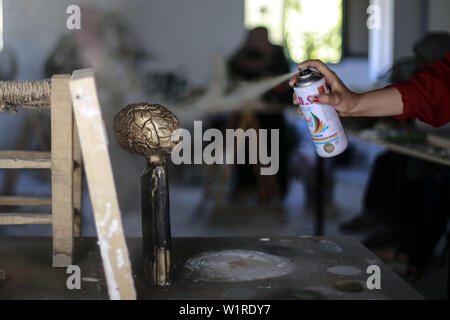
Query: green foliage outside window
309	29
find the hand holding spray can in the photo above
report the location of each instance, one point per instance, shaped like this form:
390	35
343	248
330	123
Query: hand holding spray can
323	121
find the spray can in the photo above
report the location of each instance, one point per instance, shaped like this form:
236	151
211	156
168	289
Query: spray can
323	121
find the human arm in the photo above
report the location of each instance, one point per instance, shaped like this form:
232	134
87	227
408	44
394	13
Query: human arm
378	103
426	95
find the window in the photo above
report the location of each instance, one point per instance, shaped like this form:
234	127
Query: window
355	31
266	13
306	29
1	25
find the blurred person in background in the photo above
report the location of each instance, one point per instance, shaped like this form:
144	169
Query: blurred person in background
255	60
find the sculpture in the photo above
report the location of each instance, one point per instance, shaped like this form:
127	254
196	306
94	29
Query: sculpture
151	130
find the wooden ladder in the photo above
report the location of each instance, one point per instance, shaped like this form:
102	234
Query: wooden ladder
65	162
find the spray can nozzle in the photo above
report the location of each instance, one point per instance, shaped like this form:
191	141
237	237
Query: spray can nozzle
305	72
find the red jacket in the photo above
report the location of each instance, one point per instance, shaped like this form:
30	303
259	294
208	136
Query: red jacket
426	95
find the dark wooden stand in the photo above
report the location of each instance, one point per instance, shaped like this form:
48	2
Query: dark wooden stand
156	223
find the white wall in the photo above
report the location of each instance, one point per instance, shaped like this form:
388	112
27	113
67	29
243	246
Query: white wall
354	72
409	26
438	15
183	34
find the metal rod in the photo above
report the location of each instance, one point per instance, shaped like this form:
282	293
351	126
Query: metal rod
319	197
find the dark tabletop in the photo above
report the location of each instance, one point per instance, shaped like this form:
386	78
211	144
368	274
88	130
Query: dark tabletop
28	273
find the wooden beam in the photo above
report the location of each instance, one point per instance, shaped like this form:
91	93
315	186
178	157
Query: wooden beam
62	170
25	160
411	151
77	183
438	141
24	201
24	155
101	185
25	164
25	218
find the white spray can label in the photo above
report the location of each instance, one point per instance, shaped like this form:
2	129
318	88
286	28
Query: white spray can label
323	121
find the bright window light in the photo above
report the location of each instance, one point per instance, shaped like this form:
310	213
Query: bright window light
307	29
267	13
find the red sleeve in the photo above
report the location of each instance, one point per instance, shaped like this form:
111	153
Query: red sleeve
426	95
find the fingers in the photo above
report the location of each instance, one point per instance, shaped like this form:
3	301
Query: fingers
294	99
331	99
329	75
293	80
301	113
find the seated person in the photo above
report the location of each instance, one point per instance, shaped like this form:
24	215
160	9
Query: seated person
257	59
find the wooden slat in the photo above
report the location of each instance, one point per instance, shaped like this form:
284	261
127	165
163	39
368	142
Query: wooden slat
97	165
25	201
77	183
414	153
439	141
25	154
25	160
408	150
62	170
25	218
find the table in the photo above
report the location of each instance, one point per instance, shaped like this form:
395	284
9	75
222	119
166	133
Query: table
27	261
435	149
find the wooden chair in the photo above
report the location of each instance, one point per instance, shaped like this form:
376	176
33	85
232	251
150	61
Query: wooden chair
64	160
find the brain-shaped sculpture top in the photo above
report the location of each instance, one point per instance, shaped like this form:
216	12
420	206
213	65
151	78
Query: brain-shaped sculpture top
146	129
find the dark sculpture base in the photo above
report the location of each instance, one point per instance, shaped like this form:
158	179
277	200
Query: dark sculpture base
156	223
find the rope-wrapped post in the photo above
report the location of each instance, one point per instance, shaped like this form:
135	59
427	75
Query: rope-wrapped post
151	130
27	94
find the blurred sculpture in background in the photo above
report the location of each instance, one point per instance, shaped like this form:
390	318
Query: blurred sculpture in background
107	44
